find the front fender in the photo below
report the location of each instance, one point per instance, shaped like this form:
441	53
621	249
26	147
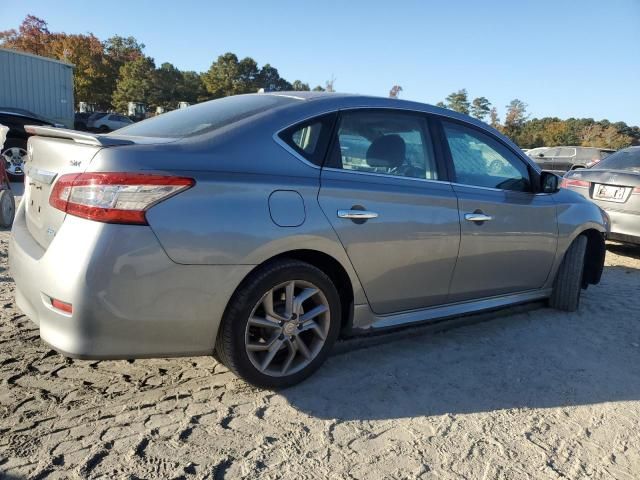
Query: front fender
576	215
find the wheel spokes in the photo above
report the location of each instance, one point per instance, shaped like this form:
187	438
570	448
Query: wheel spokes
263	322
313	326
275	337
304	350
273	350
303	296
292	354
313	313
289	299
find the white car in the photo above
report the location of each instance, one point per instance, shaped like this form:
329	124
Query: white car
110	122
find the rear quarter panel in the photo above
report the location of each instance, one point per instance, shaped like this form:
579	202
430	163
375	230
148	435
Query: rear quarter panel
225	218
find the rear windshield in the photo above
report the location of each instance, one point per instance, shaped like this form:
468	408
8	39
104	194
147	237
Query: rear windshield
205	117
628	159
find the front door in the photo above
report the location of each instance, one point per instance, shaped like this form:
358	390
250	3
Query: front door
508	232
397	221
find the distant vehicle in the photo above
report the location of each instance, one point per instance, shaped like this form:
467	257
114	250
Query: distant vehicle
563	159
613	185
110	122
94	117
14	151
261	227
80	120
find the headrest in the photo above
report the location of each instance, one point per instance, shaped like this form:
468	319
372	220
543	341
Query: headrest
387	151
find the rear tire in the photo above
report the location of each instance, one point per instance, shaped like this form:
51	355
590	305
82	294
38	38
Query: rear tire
7	208
295	310
568	284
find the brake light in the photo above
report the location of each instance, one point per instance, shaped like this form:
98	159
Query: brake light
114	197
636	191
568	182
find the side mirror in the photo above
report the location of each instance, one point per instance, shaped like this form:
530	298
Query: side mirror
549	182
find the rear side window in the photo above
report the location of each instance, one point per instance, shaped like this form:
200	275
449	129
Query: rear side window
479	160
310	138
206	117
566	152
628	159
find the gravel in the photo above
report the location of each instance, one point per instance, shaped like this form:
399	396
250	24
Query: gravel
531	393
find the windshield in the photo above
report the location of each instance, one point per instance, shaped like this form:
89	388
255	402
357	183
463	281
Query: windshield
628	159
205	117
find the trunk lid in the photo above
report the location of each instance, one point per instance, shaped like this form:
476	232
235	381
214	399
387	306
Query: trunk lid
611	189
53	152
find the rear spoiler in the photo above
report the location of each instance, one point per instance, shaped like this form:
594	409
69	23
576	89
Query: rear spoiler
78	137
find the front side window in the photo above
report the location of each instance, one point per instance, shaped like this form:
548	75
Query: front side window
481	161
383	142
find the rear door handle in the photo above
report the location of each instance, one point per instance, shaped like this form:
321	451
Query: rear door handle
357	214
477	217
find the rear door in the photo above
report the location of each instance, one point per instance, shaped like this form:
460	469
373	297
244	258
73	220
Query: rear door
508	232
383	192
564	159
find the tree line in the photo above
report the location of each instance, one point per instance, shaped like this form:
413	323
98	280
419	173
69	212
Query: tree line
113	72
529	132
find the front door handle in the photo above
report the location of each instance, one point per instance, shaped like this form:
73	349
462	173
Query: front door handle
357	214
477	217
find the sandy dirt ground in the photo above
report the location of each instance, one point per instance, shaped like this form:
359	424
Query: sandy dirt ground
536	394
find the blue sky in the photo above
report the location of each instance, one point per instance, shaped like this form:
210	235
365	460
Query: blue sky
562	57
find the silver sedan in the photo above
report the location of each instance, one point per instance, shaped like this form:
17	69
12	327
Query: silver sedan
614	185
260	228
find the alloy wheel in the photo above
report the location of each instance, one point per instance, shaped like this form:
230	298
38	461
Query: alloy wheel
287	328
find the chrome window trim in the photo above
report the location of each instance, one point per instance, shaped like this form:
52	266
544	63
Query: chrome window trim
285	145
386	175
498	189
276	136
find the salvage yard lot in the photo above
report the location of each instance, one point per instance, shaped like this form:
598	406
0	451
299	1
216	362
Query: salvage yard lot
532	394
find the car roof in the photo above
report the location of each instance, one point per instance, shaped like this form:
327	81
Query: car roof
333	101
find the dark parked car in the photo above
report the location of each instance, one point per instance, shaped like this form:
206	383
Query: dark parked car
613	185
80	120
563	159
14	150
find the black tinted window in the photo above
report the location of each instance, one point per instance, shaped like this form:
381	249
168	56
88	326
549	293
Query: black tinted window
481	161
628	159
205	117
310	138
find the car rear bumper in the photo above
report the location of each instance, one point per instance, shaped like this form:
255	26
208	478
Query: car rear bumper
625	227
129	299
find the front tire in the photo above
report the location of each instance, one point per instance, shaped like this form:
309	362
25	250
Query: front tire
568	284
280	325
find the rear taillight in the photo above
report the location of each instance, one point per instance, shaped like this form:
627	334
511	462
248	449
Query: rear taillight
569	182
114	197
636	191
